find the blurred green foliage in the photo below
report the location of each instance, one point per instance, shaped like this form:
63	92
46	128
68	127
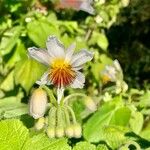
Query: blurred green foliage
118	30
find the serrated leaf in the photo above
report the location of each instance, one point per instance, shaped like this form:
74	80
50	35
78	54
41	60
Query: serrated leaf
136	122
27	72
39	30
101	147
114	136
13	134
84	146
42	142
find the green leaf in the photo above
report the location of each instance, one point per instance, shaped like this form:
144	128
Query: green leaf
8	83
114	136
144	99
12	107
8	42
106	115
121	117
39	30
102	147
84	146
27	72
13	134
42	142
20	109
19	53
100	39
136	122
145	133
94	126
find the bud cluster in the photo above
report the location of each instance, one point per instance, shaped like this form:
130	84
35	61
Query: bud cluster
62	122
59	122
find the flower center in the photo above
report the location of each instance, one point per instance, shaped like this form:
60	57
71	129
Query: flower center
61	73
105	79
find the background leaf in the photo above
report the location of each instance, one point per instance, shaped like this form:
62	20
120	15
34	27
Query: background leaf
39	30
27	72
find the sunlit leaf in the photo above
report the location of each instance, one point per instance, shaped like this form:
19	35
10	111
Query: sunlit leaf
13	134
39	30
136	122
9	41
8	83
42	142
27	72
106	115
121	116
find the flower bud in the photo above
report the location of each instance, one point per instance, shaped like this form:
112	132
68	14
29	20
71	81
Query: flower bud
50	132
77	130
40	123
38	103
69	131
90	104
59	132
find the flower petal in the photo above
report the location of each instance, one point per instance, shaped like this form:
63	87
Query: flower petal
55	48
80	58
86	6
69	51
40	55
79	80
44	79
60	94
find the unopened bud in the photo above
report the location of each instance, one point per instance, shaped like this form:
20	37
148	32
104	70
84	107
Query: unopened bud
125	3
40	123
69	131
59	132
50	132
90	104
77	130
38	103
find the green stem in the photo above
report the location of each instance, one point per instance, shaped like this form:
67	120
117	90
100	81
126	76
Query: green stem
50	95
65	100
72	114
66	115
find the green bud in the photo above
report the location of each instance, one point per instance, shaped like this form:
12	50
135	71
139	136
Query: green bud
69	131
52	117
40	123
125	3
77	130
90	104
46	121
59	132
50	132
38	103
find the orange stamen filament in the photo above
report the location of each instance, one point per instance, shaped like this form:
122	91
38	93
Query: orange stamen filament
61	73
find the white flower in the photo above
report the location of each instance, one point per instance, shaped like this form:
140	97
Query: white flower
63	65
84	5
112	72
38	103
